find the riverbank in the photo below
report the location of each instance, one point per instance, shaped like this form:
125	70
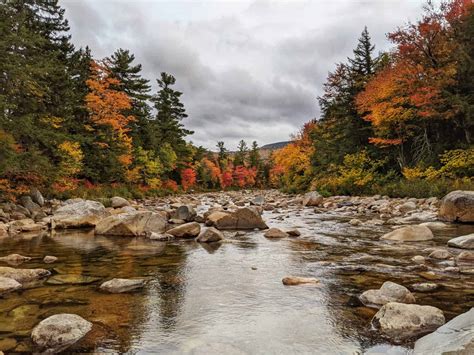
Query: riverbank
228	296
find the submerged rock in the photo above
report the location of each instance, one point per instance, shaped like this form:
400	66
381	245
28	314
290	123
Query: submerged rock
409	234
243	218
160	237
296	280
8	284
15	259
58	332
131	224
457	206
210	235
463	242
424	287
400	321
293	232
465	261
389	292
71	279
312	198
187	230
275	233
440	254
78	214
455	337
48	259
122	285
23	275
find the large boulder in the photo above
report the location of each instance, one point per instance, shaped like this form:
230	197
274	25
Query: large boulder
210	235
131	224
463	242
56	333
78	214
187	230
243	218
400	321
118	202
389	292
27	202
410	234
23	275
8	284
122	285
185	213
312	198
455	337
36	196
457	206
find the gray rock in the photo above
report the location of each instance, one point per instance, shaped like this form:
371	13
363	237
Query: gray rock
118	202
78	214
454	338
210	235
28	203
122	285
312	198
160	237
187	230
465	261
440	254
36	196
463	242
400	321
133	224
418	259
258	201
185	213
8	284
58	332
23	275
457	206
389	292
409	234
407	206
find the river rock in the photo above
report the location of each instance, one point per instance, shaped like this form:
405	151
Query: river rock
58	332
23	275
275	233
15	259
435	225
243	218
418	259
293	232
162	237
410	234
465	261
28	203
258	201
83	213
389	292
118	202
424	287
440	254
210	235
187	230
71	279
122	285
401	321
8	284
457	206
455	337
407	206
355	222
296	280
48	259
312	198
185	213
463	242
131	224
36	196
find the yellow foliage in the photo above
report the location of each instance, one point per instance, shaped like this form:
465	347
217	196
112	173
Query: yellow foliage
71	158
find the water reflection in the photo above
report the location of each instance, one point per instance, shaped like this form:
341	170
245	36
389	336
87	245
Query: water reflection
225	297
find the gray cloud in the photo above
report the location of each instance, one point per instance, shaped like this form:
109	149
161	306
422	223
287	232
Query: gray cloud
248	69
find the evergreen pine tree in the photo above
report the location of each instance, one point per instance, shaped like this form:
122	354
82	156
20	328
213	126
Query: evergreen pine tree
241	154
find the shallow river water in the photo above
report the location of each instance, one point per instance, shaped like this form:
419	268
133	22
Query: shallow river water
227	298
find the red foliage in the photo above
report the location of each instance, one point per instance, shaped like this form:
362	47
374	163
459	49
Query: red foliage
226	179
244	176
188	178
170	185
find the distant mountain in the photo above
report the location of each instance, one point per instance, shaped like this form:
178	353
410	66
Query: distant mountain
274	146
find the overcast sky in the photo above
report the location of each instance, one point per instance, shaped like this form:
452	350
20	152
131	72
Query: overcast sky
247	69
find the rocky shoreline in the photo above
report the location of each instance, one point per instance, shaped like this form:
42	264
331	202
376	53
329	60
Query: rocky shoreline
209	217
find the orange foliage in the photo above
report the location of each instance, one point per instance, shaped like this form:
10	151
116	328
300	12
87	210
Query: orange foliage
170	185
226	179
245	177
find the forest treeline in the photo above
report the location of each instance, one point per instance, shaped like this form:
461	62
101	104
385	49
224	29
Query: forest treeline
399	122
394	122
